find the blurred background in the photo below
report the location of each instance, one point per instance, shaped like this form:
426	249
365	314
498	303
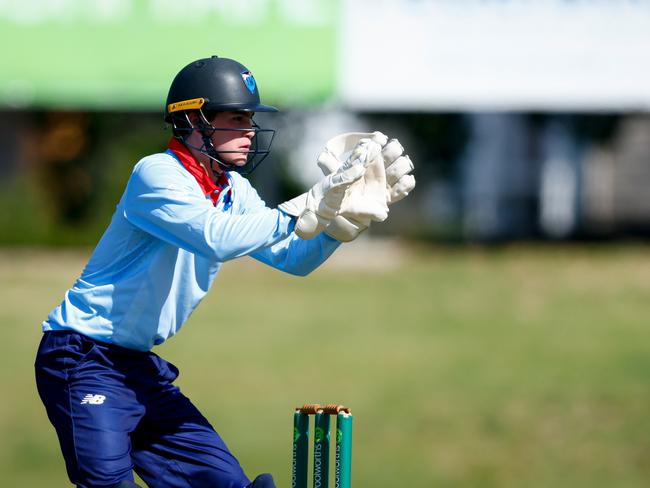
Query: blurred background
502	340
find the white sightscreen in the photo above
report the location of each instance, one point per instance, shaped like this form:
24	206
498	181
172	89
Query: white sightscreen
495	54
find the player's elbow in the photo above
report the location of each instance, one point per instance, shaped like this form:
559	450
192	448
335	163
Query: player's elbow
301	272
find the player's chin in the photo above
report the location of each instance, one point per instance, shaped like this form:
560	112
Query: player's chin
238	161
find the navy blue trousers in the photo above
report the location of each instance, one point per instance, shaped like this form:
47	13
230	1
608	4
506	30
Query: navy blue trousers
116	410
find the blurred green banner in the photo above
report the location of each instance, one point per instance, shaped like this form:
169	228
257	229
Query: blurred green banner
123	54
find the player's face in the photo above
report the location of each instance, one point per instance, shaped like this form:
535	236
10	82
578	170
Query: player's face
234	145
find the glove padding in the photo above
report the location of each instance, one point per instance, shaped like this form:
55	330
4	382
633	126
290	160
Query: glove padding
399	180
316	208
389	181
366	198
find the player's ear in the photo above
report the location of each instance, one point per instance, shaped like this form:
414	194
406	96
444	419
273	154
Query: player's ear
193	116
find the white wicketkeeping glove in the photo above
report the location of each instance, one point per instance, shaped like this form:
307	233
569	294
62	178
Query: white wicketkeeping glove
388	179
316	208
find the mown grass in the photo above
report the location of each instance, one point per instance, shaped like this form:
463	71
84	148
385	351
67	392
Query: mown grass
509	367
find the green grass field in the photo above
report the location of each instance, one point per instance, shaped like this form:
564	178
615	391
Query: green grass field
510	367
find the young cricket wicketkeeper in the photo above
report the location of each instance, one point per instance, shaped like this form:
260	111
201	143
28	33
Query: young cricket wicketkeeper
185	212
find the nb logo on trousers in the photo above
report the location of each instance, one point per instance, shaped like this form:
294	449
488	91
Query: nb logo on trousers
93	399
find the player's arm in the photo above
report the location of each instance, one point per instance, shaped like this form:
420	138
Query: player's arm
386	180
297	256
161	202
292	255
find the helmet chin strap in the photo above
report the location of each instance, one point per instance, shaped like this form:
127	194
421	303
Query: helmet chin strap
212	154
207	148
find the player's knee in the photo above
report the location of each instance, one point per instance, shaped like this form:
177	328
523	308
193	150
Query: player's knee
126	484
263	481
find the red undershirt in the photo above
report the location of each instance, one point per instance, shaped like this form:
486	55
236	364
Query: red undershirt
209	187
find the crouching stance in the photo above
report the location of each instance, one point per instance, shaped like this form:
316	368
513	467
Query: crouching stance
184	212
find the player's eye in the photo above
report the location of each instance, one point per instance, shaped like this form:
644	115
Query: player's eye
243	120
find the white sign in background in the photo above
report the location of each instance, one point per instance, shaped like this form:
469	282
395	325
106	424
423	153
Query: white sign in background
495	54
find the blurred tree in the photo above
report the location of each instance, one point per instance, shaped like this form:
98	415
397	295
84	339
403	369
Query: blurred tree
63	166
73	168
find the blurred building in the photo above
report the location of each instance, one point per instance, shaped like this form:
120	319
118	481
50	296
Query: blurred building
525	119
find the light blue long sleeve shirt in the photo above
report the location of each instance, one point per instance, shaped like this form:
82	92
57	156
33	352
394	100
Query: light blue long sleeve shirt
163	249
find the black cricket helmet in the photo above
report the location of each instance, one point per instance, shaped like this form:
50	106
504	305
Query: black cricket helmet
212	85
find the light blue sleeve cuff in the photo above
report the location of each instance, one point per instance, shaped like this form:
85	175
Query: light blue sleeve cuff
288	222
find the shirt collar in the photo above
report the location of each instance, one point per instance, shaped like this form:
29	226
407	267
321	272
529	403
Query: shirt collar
210	187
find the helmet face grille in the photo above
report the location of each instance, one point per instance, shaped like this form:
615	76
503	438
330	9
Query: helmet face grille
259	150
260	143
